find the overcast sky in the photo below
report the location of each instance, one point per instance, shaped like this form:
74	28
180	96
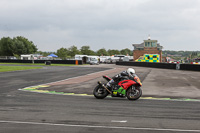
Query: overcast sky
109	24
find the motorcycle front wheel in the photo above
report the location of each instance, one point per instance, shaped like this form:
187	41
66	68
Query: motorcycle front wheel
134	94
99	92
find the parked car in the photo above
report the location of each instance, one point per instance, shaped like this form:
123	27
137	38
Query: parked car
94	61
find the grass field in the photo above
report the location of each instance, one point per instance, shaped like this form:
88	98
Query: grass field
16	68
27	66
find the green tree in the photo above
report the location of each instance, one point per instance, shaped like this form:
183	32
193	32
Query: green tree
73	50
86	50
6	46
62	53
126	51
101	52
16	46
28	46
113	52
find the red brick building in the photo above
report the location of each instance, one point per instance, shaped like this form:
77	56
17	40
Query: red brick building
147	47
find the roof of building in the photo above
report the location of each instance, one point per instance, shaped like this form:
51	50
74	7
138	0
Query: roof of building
142	45
136	46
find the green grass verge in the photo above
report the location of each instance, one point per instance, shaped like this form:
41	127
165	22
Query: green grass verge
16	68
38	64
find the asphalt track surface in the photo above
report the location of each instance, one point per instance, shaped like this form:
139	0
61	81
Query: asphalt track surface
23	111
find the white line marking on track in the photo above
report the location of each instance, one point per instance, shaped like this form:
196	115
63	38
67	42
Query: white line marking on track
107	127
122	121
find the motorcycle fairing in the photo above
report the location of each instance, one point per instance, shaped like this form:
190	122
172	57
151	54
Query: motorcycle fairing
120	90
125	84
137	79
107	78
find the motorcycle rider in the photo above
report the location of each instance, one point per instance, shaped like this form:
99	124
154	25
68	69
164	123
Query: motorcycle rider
128	74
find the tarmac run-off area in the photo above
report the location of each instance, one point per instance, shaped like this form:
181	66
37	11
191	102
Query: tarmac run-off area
158	84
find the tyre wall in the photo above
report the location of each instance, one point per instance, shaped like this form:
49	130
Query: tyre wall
191	67
43	61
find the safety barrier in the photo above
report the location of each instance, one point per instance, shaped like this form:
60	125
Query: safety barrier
192	67
161	65
77	62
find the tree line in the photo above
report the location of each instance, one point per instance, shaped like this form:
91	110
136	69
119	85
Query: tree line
181	53
16	46
19	45
85	50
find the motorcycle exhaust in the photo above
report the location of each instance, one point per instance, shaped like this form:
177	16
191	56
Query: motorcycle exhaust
104	87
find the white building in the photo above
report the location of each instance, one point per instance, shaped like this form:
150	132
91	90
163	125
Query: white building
86	58
103	59
31	57
27	57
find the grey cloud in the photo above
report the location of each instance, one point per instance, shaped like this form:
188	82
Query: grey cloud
102	23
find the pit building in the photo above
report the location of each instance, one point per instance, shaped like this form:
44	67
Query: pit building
147	47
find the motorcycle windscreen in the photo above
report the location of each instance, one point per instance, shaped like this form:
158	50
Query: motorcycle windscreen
126	83
107	78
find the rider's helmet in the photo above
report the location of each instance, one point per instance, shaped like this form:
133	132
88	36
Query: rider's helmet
130	71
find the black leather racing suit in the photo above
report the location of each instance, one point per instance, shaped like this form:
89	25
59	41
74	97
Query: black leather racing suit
117	78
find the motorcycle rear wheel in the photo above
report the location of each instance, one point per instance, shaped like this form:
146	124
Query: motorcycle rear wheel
99	92
134	94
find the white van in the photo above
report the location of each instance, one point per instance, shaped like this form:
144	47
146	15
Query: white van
94	61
